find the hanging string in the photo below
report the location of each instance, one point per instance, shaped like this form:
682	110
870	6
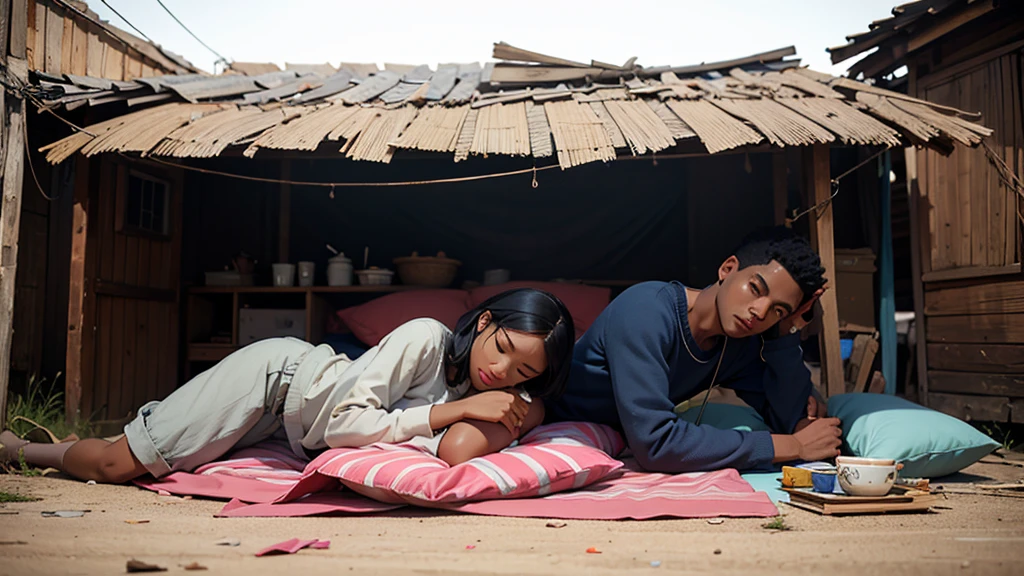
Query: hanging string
1006	175
820	206
28	159
332	185
534	183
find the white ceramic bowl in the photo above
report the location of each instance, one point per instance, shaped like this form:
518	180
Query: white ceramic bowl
865	476
374	277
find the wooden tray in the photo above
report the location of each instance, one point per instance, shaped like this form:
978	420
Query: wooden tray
900	500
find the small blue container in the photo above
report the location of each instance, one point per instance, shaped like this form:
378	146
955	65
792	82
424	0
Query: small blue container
824	481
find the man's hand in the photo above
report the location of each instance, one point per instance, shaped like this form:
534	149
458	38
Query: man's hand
794	322
815	410
818	440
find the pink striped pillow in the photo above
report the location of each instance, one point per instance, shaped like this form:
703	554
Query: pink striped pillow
549	459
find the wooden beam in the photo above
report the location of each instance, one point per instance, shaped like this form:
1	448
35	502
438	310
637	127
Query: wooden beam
990	408
5	28
977	383
10	221
78	362
19	28
977	329
816	172
121	290
917	237
987	358
780	186
947	25
998	298
971	272
284	214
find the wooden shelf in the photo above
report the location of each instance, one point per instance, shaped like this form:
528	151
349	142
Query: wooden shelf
383	289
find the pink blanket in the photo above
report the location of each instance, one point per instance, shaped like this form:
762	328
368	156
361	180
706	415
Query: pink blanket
265	481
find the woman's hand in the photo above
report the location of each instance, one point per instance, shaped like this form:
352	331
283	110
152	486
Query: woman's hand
504	407
469	439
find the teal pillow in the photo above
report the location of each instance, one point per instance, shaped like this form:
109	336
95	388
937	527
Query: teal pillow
928	443
727	417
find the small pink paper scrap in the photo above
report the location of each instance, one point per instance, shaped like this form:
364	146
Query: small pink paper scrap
294	545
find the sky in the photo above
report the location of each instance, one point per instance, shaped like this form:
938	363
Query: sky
658	32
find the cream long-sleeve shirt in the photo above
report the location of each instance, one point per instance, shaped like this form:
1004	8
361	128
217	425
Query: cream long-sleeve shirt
383	396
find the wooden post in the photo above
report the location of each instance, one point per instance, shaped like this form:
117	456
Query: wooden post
819	188
13	122
780	186
284	214
918	238
81	320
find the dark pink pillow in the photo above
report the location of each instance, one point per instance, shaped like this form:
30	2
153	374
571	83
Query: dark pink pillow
375	319
585	303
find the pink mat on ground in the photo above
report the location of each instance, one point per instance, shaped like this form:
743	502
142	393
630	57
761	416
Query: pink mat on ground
256	479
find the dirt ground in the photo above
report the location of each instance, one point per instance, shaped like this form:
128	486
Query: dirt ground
965	534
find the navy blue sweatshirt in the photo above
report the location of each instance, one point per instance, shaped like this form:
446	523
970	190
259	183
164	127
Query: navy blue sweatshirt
631	369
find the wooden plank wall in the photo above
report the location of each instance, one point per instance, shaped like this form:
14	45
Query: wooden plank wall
63	42
975	326
973	216
136	316
57	41
975	339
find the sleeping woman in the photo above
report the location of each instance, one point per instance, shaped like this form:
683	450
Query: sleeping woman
458	394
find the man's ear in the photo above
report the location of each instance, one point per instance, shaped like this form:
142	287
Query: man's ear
730	265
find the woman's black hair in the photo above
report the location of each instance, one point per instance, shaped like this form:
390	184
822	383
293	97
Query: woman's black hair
785	247
521	310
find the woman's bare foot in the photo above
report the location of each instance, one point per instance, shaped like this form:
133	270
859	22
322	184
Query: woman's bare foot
10	445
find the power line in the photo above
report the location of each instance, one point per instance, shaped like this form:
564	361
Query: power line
148	39
180	23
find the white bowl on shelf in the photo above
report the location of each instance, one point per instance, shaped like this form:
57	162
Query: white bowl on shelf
375	277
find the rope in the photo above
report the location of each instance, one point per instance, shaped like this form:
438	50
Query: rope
1006	174
191	33
28	159
820	206
333	185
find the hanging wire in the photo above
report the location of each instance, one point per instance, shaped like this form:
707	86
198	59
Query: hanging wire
28	159
180	23
820	206
1006	174
333	185
141	33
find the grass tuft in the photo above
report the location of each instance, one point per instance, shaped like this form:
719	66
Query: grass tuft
777	523
6	497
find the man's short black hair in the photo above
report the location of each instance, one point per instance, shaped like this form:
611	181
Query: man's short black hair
785	247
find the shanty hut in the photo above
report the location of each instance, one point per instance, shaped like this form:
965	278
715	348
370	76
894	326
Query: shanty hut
605	174
63	39
965	206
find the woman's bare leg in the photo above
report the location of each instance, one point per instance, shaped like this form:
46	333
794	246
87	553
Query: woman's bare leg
89	459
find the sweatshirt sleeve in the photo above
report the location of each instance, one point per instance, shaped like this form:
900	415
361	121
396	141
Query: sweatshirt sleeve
777	388
639	338
365	417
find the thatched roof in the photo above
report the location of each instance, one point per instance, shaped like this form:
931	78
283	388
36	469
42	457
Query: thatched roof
540	106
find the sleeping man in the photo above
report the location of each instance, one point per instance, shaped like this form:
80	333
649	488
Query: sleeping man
658	344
